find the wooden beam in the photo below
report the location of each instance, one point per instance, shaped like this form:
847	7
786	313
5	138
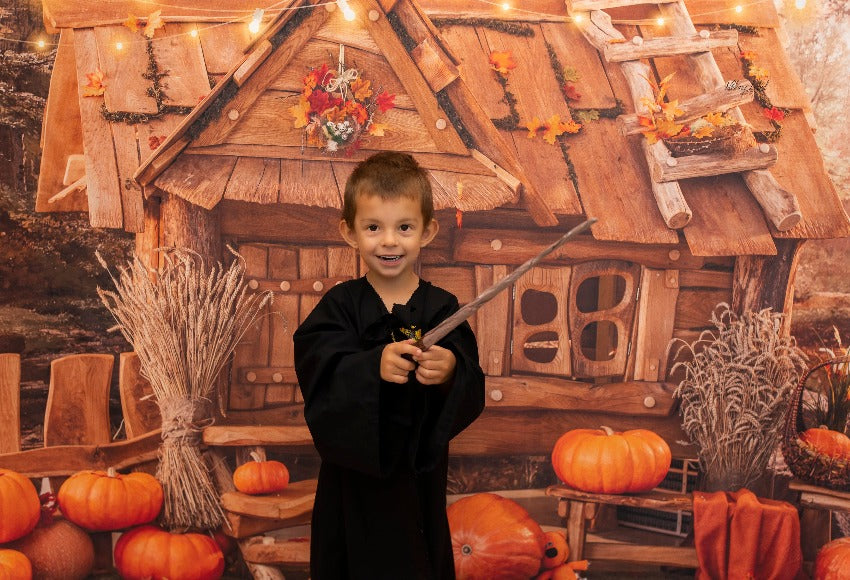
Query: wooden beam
585	5
10	410
664	46
642	554
689	166
267	435
289	552
294	501
766	281
184	225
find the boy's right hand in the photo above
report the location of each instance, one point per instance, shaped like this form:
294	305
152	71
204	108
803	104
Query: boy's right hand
394	367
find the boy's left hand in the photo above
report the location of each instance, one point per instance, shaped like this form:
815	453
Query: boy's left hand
435	366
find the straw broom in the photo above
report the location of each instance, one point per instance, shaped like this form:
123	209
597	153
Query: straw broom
184	324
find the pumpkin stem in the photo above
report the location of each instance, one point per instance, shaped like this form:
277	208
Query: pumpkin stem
255	456
608	430
110	472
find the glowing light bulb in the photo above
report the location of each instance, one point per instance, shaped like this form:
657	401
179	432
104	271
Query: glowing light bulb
800	4
193	33
256	20
347	12
506	6
659	21
739	8
578	18
41	44
119	46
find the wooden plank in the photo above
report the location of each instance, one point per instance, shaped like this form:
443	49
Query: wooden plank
587	5
656	311
123	70
179	55
683	557
62	136
312	263
608	357
659	500
127	161
159	129
223	45
294	501
337	30
416	86
63	460
10	411
573	51
727	221
278	552
492	323
218	130
822	210
253	435
283	263
469	44
511	247
280	223
240	526
785	88
622	199
548	171
373	67
705	279
199	179
760	14
102	187
711	164
540	9
255	180
622	398
436	66
541	96
540	335
694	307
77	411
669	45
252	62
138	403
309	183
458	280
477	192
253	349
267	374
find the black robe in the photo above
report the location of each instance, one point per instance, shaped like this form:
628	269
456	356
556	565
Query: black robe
380	509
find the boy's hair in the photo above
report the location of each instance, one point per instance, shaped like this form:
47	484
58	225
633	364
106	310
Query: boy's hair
390	175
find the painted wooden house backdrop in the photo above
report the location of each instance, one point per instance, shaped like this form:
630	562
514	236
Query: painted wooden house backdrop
192	143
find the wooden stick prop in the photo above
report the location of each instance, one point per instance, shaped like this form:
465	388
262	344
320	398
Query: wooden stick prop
435	334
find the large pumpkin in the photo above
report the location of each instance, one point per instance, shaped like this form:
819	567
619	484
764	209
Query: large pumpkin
102	501
833	560
58	549
148	552
604	461
19	506
14	566
258	477
494	537
828	442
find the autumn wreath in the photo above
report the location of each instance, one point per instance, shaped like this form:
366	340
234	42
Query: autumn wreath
337	107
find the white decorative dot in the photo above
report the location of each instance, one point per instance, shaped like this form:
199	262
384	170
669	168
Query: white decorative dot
496	395
251	377
285	286
496	244
441	124
317	285
704	34
649	402
637	40
764	147
253	284
374	15
277	377
232	114
674	255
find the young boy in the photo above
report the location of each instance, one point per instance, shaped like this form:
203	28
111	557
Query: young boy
382	411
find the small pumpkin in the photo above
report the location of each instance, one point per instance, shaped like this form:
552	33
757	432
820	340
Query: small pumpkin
149	552
14	565
566	571
556	551
605	461
494	537
102	501
831	443
833	560
19	506
258	477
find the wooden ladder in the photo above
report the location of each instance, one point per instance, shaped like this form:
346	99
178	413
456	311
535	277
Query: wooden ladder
779	206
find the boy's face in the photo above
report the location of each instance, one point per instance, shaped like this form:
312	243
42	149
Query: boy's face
388	234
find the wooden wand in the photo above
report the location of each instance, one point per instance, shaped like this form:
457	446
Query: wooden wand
435	334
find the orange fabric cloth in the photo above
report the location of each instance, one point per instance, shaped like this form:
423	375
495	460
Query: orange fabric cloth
739	536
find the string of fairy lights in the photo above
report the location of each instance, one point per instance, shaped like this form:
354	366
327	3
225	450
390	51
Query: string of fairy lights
254	19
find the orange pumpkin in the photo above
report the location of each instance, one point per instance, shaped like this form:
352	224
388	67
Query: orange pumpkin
103	501
604	461
259	477
19	506
148	552
828	442
565	571
494	537
556	551
833	560
14	566
56	548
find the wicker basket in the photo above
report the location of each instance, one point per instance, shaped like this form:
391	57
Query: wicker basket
802	459
727	140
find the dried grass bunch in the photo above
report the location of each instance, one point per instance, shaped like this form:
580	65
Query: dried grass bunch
736	390
184	323
832	407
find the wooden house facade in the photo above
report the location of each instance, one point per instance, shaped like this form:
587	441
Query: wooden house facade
193	143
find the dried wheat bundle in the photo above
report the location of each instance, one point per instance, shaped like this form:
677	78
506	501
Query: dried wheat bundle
184	324
736	390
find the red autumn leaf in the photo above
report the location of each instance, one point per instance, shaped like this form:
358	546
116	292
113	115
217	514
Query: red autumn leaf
773	114
155	141
502	62
320	101
95	86
385	101
571	92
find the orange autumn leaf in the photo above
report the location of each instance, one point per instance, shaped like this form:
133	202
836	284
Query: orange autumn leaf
716	119
749	54
132	23
704	131
95	86
553	129
301	113
646	122
616	41
667	128
502	62
377	129
671	109
362	89
154	22
758	73
533	126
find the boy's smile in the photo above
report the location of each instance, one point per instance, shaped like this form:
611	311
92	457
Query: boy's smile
389	233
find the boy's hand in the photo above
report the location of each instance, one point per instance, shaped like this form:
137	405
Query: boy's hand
394	367
436	365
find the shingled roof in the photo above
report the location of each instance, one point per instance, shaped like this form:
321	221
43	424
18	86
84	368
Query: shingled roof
237	141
